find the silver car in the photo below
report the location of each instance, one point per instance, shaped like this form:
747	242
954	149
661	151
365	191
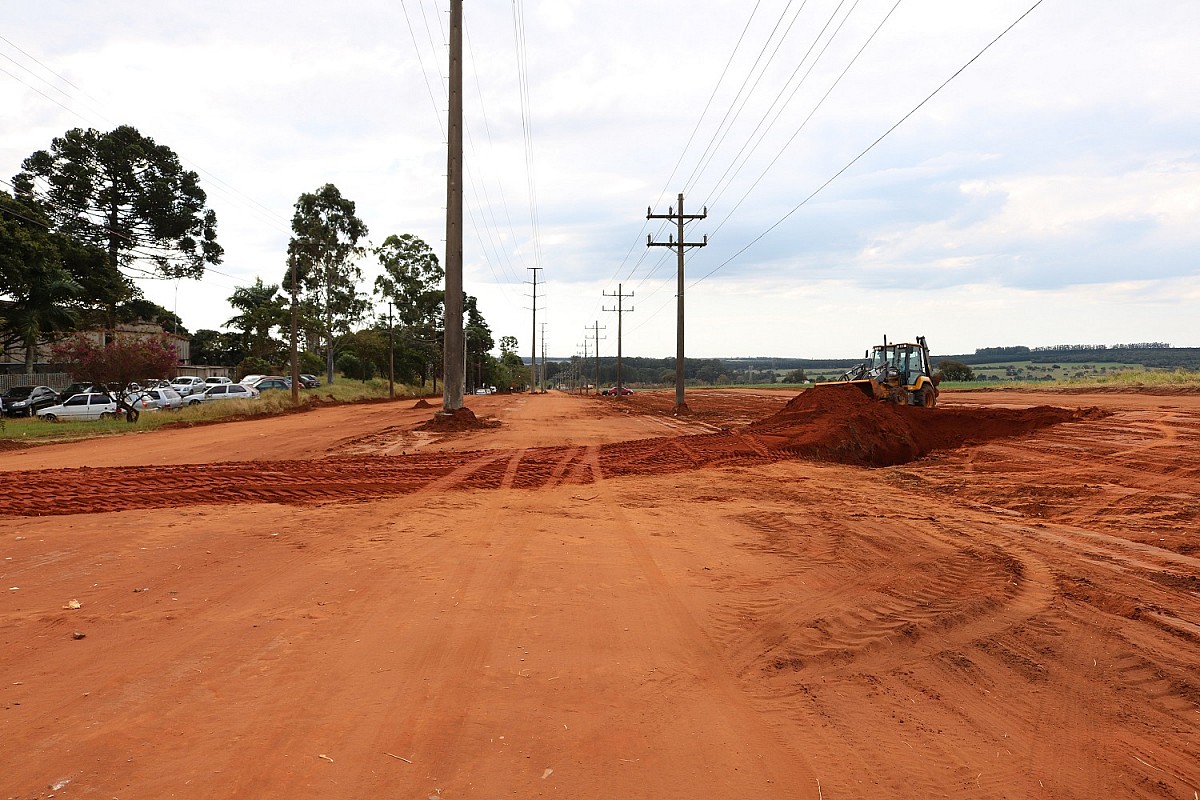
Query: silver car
224	391
187	384
162	398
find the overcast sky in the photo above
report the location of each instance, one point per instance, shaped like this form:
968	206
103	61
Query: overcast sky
1050	193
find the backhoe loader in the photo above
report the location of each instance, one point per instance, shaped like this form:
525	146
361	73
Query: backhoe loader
895	371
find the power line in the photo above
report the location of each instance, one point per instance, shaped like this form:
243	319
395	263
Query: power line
801	127
873	144
781	107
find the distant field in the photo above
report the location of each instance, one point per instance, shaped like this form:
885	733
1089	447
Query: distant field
1031	371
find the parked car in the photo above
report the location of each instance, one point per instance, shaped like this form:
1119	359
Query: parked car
266	382
85	406
25	401
78	388
309	381
216	380
224	391
164	398
613	392
250	380
188	384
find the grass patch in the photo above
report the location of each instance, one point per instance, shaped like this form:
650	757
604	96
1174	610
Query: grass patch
1126	378
271	403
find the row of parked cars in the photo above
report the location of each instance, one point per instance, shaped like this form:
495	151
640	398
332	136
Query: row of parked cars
84	401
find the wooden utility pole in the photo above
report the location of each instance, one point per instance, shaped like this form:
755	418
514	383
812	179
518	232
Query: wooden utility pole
679	245
454	341
620	295
533	351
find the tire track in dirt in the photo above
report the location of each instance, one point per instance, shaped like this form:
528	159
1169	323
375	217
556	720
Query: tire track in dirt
776	756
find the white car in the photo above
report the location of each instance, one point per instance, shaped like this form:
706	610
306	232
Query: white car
86	406
188	384
216	380
223	391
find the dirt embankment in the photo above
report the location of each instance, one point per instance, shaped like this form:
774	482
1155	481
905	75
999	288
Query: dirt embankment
841	424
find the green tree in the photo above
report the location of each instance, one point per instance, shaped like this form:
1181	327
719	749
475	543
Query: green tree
325	247
412	281
262	309
40	290
139	309
795	376
122	192
217	348
479	343
370	346
955	371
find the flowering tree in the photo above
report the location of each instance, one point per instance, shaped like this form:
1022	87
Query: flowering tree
125	360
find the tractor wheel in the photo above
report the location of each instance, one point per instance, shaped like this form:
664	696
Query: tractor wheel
900	398
928	398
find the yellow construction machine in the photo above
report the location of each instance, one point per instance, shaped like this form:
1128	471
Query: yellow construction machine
896	371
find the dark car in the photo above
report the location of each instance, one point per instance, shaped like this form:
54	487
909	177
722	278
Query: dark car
78	388
272	382
614	392
309	381
25	401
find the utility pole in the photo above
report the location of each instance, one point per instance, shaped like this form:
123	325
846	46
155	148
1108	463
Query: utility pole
295	357
596	337
543	355
582	368
679	246
533	365
620	295
452	345
391	356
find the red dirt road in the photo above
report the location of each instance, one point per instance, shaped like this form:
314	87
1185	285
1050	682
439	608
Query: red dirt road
598	600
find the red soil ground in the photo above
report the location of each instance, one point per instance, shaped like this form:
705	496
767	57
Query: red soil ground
817	596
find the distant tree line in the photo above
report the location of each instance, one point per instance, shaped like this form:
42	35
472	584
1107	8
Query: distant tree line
1157	357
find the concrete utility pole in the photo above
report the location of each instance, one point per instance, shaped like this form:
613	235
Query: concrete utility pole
679	246
295	356
596	337
583	368
533	350
391	356
620	295
452	345
544	355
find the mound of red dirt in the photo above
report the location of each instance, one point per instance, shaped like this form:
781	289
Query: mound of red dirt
463	419
422	403
841	424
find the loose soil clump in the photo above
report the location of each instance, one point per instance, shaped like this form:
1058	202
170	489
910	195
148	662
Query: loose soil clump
463	419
